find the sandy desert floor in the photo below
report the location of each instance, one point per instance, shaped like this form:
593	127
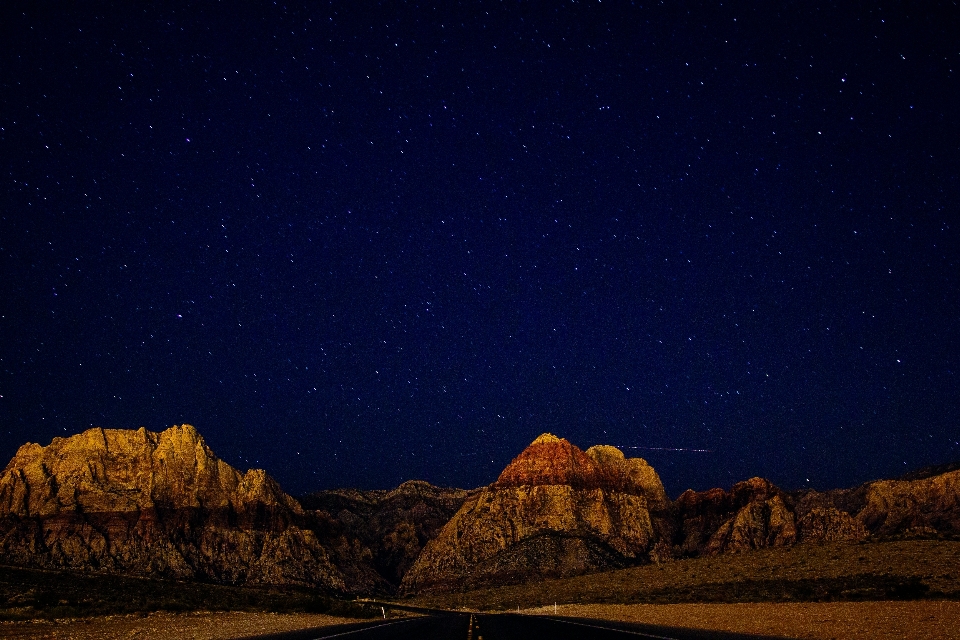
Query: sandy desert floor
883	620
195	626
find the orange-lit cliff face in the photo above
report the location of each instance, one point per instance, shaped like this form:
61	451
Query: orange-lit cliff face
160	504
550	460
554	511
114	470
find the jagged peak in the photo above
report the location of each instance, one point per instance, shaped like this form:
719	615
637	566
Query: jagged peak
185	429
602	453
128	470
550	460
546	438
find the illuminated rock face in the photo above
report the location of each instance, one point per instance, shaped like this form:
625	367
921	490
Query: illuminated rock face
756	514
902	506
554	511
829	525
161	504
559	511
764	521
927	505
110	470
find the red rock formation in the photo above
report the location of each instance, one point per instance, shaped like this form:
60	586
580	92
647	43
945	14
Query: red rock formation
926	505
554	511
752	515
757	525
160	504
929	504
699	515
550	460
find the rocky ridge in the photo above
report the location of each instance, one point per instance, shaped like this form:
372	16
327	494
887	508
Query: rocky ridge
162	504
757	514
392	526
554	511
752	515
929	505
557	511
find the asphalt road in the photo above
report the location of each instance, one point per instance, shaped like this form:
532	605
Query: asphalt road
501	627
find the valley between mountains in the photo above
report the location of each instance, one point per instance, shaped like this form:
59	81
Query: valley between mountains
139	504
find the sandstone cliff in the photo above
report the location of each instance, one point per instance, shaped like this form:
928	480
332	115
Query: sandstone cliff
554	511
757	514
557	511
162	504
928	505
752	515
393	526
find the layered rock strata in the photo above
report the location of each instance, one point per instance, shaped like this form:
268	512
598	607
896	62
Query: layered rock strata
756	514
557	511
162	504
554	511
928	505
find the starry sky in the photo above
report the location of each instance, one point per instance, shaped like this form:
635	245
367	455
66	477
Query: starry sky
359	243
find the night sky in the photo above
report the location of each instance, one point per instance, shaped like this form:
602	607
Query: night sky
364	243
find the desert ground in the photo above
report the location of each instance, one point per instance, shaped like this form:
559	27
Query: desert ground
876	620
194	626
905	570
897	589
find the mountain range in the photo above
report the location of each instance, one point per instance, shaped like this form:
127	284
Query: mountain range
163	505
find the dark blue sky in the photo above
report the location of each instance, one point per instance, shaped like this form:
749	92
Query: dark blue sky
364	243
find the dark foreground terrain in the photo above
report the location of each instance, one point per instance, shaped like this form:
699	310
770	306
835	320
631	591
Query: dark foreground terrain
836	572
502	627
870	620
833	572
33	593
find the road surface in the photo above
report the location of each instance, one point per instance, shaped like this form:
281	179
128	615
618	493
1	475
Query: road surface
464	626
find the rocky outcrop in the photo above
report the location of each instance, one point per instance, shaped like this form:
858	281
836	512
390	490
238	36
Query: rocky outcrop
753	514
393	526
630	475
757	514
830	525
162	504
554	511
756	526
928	505
897	506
